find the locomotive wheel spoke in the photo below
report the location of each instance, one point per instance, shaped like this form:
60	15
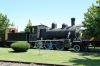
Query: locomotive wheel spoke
48	45
59	46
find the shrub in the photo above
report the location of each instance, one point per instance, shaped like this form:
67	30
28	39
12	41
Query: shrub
20	46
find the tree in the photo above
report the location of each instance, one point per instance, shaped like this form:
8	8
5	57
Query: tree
92	20
4	23
29	24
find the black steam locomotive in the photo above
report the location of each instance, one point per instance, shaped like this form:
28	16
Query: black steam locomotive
49	38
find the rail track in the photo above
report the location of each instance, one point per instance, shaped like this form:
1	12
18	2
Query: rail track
21	63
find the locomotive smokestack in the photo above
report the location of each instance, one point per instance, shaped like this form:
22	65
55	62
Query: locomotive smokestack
72	21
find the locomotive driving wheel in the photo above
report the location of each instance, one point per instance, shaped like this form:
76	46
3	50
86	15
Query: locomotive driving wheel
48	45
59	45
76	48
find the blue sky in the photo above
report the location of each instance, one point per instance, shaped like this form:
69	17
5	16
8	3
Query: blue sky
44	11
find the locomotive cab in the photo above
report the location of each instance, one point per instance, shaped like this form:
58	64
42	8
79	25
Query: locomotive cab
38	32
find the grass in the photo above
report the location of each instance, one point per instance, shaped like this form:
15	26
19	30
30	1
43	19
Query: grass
52	56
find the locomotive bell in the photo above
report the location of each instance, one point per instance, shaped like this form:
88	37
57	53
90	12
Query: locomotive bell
72	21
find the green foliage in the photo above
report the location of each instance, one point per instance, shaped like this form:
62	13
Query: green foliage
20	46
29	24
91	20
4	23
12	24
98	1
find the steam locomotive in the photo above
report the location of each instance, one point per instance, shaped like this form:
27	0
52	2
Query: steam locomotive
49	38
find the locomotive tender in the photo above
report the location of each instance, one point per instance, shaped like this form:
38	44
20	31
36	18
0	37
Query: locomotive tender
50	38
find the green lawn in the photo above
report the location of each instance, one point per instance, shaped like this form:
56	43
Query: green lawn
53	56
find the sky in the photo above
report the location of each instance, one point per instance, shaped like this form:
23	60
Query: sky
44	11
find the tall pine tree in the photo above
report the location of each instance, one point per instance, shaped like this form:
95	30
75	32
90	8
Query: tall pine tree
92	20
29	24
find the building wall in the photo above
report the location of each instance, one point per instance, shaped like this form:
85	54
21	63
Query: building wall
10	30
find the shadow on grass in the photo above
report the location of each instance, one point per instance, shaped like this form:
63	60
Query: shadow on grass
16	52
85	62
92	52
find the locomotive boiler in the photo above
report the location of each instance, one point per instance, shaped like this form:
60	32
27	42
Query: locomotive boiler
65	32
